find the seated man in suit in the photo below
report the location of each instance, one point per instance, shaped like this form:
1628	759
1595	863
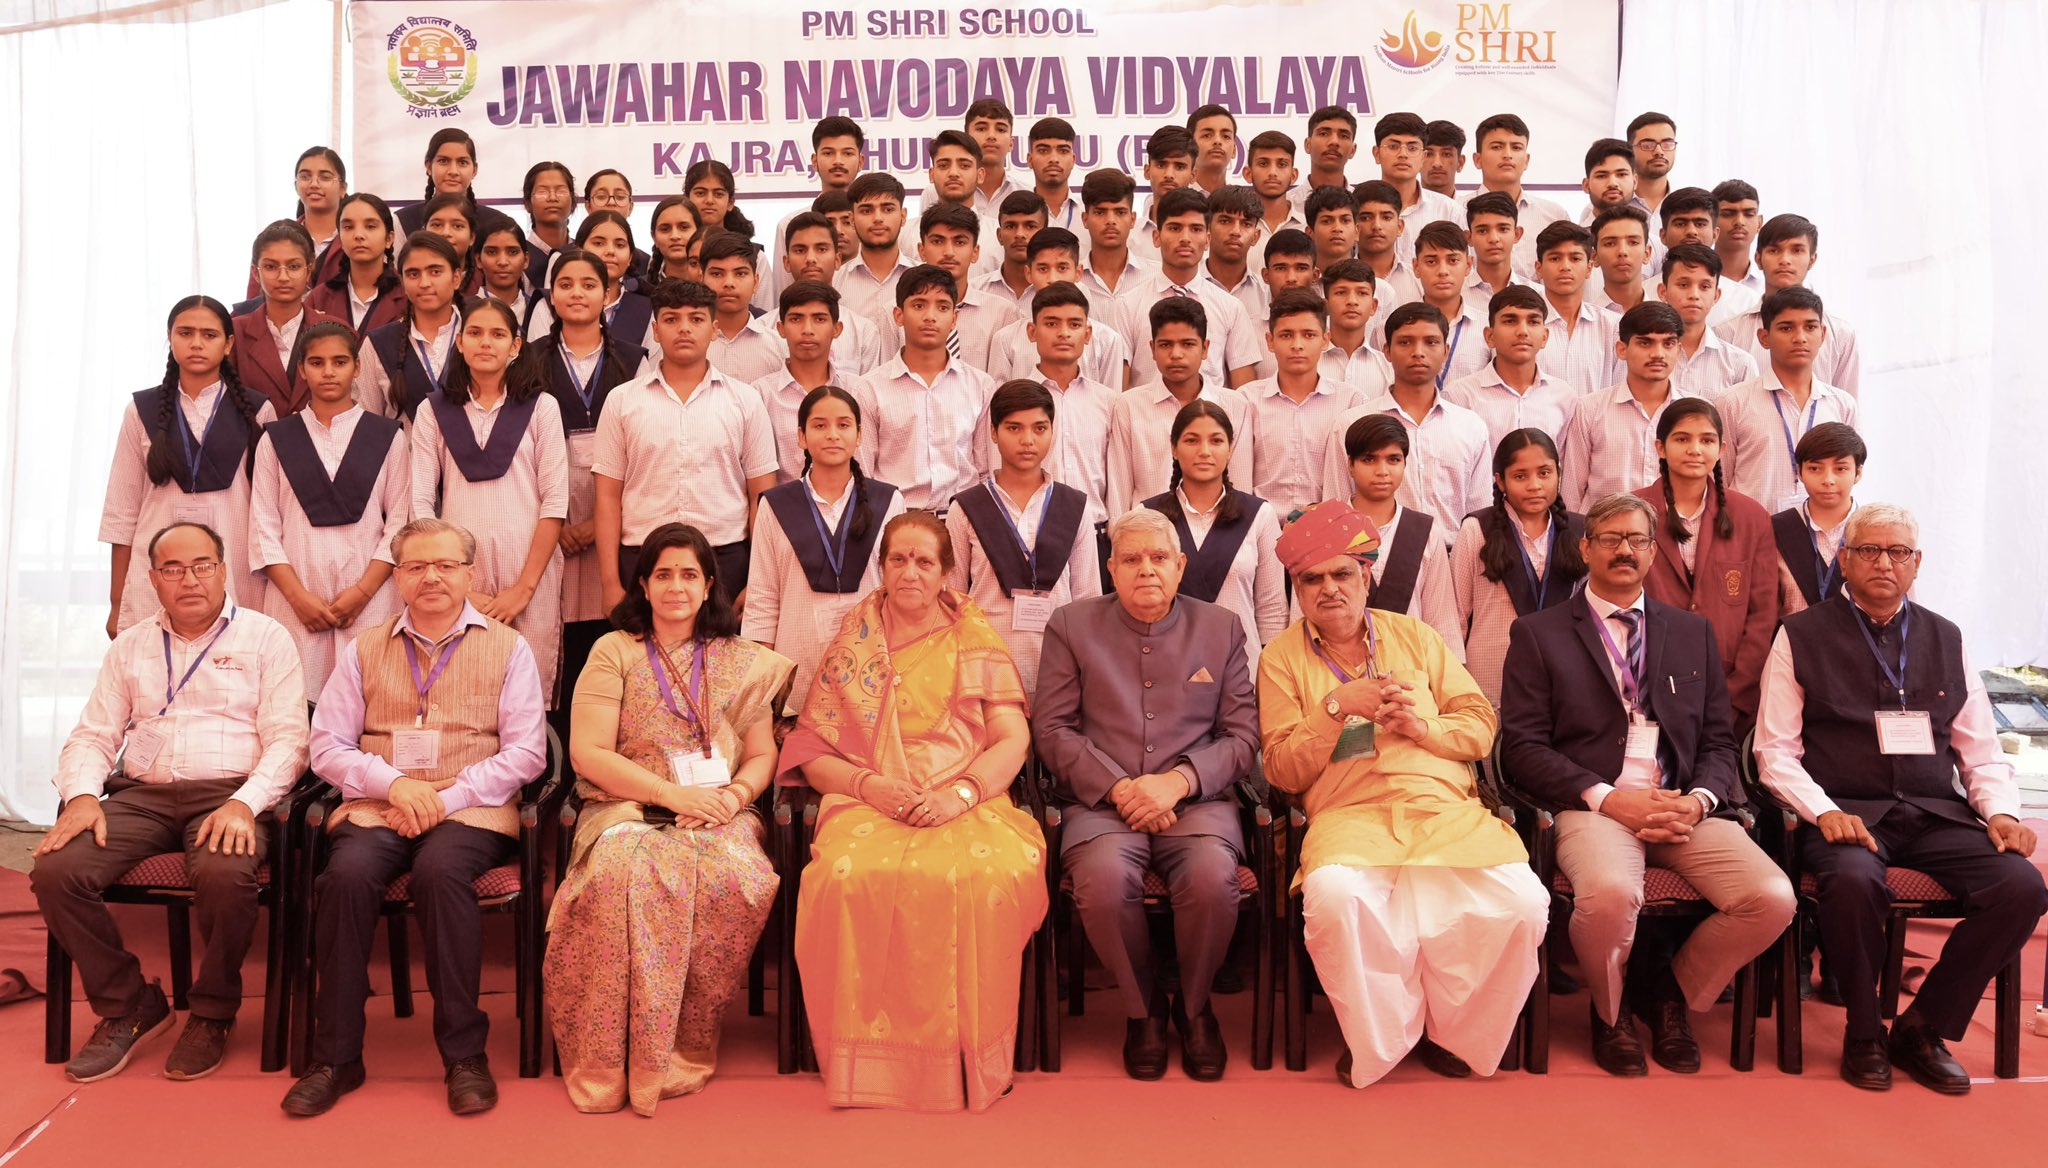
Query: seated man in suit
429	726
205	707
1614	715
1146	719
1422	915
1869	711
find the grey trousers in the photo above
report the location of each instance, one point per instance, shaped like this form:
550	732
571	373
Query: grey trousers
1200	872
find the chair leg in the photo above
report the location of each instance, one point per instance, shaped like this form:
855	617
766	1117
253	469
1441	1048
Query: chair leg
1048	997
1077	961
1538	1010
532	946
757	977
2006	1034
1025	1056
1295	991
1262	981
56	1003
1791	1036
1742	1043
1894	967
276	980
179	920
305	983
401	966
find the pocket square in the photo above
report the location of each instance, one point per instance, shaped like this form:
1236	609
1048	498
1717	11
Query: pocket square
1201	677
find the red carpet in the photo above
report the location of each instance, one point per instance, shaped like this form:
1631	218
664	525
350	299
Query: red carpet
1573	1116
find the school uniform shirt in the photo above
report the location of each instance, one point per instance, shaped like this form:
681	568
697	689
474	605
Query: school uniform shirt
1254	587
684	461
1737	297
1465	351
1080	448
602	372
1428	208
1450	462
1101	297
373	382
1234	341
1533	213
1434	601
1289	439
502	513
1389	292
327	560
1609	446
136	509
1711	369
263	355
1546	405
976	576
989	205
1485	609
927	437
1606	303
781	396
1836	363
1251	293
1264	232
977	318
1367	370
1479	294
862	293
1067	214
992	286
1141	442
337	298
1826	543
1761	427
1105	358
750	354
1582	357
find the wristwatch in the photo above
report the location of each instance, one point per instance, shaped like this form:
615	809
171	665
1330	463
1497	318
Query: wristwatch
966	793
1330	707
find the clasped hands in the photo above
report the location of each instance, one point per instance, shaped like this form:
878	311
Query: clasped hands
1655	815
1146	802
908	803
702	806
1385	702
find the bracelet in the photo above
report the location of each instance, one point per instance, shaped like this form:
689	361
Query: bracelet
860	779
974	780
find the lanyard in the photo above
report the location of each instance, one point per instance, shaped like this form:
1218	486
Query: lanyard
586	390
691	709
834	541
425	686
1792	443
1539	586
1456	334
1030	550
1631	666
1372	652
1898	678
171	692
1827	571
427	360
195	446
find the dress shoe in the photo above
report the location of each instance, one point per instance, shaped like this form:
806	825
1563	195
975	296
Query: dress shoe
1921	1053
1145	1048
1865	1064
471	1089
1344	1069
1202	1053
1615	1047
321	1088
1443	1062
1671	1040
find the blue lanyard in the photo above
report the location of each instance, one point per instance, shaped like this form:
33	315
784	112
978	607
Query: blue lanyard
425	686
1631	666
1456	335
1896	678
1792	443
663	668
1372	652
586	390
1030	550
1827	571
1539	585
195	446
171	692
427	361
835	542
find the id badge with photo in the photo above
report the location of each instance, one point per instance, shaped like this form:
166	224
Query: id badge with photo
830	613
144	744
1030	612
193	511
1358	740
1905	732
416	750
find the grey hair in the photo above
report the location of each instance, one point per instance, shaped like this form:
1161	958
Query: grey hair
1141	521
1620	504
432	525
1881	515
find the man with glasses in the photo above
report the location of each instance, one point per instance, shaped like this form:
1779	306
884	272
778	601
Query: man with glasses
429	726
1654	139
1615	717
1870	711
196	725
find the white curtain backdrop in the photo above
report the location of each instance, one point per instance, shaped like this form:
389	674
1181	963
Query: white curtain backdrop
151	140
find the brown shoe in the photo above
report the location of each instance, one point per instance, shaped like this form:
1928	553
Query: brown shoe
471	1089
114	1040
201	1048
321	1088
1921	1053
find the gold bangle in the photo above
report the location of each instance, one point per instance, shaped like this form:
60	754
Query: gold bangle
974	780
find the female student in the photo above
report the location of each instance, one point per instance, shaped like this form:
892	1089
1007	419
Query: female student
333	485
1412	573
451	166
407	360
1809	536
183	456
489	446
366	292
1021	544
501	267
710	186
627	312
454	219
321	180
676	223
1716	555
813	556
1226	534
282	260
581	363
1517	556
611	190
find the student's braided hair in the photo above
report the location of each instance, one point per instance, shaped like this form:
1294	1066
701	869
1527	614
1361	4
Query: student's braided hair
166	460
1678	411
573	255
424	240
1227	508
862	522
1499	553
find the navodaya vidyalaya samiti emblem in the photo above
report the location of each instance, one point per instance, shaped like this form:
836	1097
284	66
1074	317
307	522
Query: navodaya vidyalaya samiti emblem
433	65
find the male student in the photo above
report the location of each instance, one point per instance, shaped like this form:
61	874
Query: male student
1608	446
1183	238
1763	419
837	152
1290	263
838	211
1737	213
810	252
1511	391
989	122
1443	156
1270	169
1787	247
1621	251
1054	257
1809	536
1169	166
1059	328
1443	259
1106	214
946	239
1687	216
1380	231
1502	156
867	286
1653	138
1332	143
1412	573
1141	420
1707	365
1234	215
928	404
1332	217
810	326
1610	179
1350	295
1493	227
1397	145
743	346
1020	216
1215	132
1581	348
1051	158
1294	412
1449	468
956	164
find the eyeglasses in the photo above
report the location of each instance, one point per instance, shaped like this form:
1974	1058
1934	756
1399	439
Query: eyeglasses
173	573
611	199
272	268
1898	553
1657	145
1611	541
414	569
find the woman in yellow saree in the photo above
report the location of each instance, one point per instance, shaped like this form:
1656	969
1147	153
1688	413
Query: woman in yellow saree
925	881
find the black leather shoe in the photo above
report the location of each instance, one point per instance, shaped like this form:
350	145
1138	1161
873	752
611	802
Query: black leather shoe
1615	1047
1562	983
1344	1069
1921	1053
1671	1040
1830	991
471	1089
1865	1064
1202	1053
321	1088
1443	1062
1145	1048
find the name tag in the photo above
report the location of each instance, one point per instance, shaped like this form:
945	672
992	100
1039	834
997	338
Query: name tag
1905	732
416	750
1030	611
1642	740
193	511
144	744
582	449
1359	740
690	768
831	613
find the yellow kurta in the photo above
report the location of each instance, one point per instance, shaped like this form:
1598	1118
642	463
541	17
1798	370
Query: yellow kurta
1414	803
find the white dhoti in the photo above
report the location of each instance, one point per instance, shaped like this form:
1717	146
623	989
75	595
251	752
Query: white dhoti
1404	951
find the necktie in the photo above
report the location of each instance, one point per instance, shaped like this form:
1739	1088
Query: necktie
1633	651
953	344
1178	290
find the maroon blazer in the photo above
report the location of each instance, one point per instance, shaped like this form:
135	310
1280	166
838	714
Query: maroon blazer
257	365
1735	586
332	299
327	265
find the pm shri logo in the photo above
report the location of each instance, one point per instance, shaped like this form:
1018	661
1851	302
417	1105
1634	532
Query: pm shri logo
433	64
1413	49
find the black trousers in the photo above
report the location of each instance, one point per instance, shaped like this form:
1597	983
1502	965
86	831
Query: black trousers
348	897
2002	896
733	561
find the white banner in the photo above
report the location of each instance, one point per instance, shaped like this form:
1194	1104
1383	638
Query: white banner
650	88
